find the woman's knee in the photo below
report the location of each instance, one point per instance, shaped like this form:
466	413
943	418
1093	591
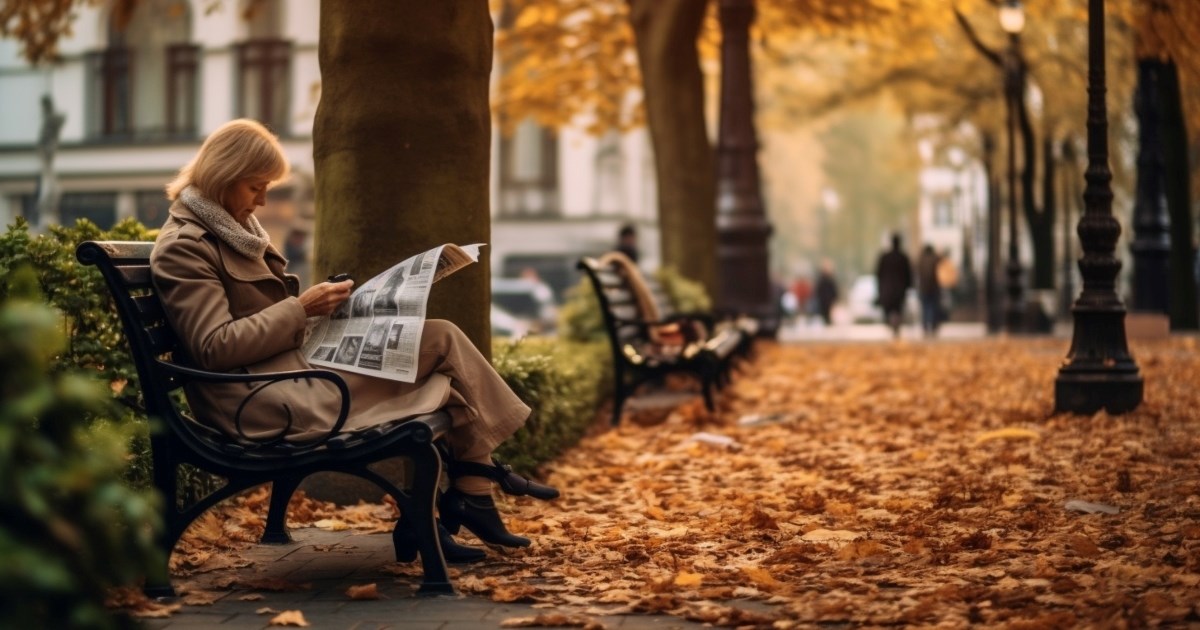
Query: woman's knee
441	334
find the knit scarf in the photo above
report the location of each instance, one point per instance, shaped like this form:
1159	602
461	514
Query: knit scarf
250	240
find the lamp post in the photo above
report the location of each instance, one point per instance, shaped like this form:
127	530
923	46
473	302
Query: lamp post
1012	20
1099	372
743	285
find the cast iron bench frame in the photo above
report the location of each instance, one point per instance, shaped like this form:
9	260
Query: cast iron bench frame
634	361
177	438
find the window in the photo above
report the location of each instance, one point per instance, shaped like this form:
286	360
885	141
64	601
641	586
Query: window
110	89
98	207
143	83
152	206
529	171
943	211
182	61
29	209
263	82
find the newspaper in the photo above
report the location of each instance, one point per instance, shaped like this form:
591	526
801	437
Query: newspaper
377	331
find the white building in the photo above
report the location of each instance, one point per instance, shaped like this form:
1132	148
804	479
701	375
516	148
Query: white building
137	102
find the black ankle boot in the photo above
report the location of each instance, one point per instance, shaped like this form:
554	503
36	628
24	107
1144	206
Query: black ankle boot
406	546
509	481
478	514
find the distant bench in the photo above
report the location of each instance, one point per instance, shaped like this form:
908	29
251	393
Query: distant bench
640	355
176	438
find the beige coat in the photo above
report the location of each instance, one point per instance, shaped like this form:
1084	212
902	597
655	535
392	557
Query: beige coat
234	314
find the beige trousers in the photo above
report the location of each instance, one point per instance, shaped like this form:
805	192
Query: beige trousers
484	411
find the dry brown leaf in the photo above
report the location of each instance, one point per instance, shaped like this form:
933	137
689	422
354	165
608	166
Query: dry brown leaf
251	597
289	618
546	620
201	598
363	591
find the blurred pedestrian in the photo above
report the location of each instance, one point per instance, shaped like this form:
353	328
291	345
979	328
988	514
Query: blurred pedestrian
947	277
929	290
802	290
826	292
894	274
627	242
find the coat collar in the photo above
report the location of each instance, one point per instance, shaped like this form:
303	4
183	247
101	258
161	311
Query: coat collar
235	264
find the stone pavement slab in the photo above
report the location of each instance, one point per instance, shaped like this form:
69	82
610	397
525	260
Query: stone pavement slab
331	562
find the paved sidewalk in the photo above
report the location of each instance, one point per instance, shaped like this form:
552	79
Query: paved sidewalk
332	562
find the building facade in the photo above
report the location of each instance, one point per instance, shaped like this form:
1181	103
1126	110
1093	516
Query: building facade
137	94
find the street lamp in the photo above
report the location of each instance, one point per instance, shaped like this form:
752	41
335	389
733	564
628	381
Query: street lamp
1012	20
1099	372
742	226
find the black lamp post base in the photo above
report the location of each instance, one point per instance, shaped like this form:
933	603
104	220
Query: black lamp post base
1098	373
1085	393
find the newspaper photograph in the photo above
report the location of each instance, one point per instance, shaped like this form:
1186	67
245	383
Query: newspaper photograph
377	330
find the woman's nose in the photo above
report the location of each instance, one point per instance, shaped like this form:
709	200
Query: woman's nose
260	199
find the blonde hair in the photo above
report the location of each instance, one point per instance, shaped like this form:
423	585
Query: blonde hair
237	150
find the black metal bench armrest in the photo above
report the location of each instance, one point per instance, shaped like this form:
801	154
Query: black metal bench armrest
266	379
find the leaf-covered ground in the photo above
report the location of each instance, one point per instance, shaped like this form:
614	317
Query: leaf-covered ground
881	484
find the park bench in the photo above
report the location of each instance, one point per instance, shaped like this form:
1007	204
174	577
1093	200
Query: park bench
638	358
177	438
747	327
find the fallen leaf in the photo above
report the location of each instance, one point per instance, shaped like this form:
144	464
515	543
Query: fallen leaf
364	591
289	618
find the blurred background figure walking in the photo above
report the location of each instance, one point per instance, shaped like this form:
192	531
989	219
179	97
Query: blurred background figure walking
826	292
894	274
929	290
802	290
947	278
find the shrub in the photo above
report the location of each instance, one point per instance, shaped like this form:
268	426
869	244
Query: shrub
564	382
70	527
579	318
94	341
686	295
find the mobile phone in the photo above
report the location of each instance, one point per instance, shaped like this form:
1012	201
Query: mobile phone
341	277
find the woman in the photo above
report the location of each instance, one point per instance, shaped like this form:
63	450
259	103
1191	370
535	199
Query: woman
221	283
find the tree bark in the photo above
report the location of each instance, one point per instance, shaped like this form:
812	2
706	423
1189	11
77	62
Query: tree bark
673	85
401	144
1182	306
1039	220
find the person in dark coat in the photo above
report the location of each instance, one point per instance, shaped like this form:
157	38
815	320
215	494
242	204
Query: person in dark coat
929	290
826	291
894	274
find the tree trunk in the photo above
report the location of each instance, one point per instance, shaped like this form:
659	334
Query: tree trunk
666	32
401	143
1176	171
1040	221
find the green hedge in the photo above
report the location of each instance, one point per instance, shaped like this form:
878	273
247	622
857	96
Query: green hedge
564	382
69	524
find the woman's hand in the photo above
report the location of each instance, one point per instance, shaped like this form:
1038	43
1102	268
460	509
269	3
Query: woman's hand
322	298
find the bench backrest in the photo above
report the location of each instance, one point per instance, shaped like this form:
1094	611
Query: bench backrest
125	266
622	319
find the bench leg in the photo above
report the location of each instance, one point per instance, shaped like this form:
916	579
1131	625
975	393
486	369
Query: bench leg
618	404
282	490
427	472
417	518
708	396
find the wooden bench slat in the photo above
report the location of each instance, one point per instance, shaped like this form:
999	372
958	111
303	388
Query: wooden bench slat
149	308
135	276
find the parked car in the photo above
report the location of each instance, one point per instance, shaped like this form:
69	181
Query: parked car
504	324
527	300
862	306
